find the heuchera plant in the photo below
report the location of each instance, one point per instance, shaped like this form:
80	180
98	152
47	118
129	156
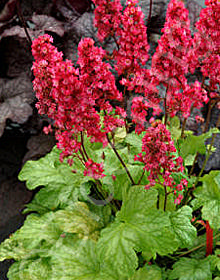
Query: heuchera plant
120	198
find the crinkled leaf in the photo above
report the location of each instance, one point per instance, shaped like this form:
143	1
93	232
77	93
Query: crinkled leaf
116	250
12	249
193	144
78	260
135	141
174	128
79	219
120	134
184	230
138	202
103	212
38	231
62	186
209	197
215	260
35	237
16	95
47	23
30	270
140	226
147	272
47	171
191	269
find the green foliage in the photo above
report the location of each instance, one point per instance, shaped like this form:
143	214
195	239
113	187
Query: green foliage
69	236
147	272
193	144
61	186
191	269
185	232
140	226
208	196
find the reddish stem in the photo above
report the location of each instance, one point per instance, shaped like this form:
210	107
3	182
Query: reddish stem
209	239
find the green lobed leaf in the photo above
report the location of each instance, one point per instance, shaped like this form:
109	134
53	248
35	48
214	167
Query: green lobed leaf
147	272
120	134
215	260
209	197
30	270
116	251
121	184
174	128
79	219
36	236
193	144
78	260
62	186
184	230
11	248
191	269
140	226
134	139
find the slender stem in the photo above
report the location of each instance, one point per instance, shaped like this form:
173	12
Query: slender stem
197	247
149	16
142	175
165	198
208	116
208	153
158	201
120	159
183	127
83	146
103	194
20	15
203	81
82	154
194	163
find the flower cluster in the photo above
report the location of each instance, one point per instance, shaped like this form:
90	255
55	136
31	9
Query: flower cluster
107	17
170	63
79	99
139	111
158	156
170	59
132	40
72	96
192	96
206	43
93	169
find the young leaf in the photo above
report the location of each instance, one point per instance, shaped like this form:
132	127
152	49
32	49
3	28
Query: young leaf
140	226
184	230
62	186
191	269
38	231
78	260
35	237
209	197
79	220
116	251
147	272
193	144
31	269
48	171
